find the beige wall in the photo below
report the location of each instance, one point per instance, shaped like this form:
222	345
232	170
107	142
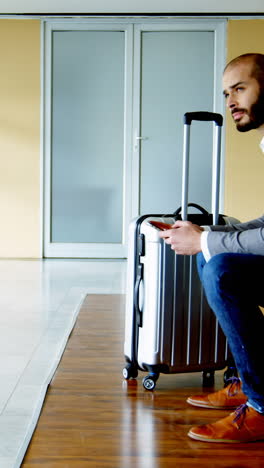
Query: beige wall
20	138
20	233
244	187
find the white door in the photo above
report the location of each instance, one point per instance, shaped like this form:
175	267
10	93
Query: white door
115	98
87	147
178	69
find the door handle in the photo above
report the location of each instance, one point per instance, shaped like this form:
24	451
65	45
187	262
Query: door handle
137	139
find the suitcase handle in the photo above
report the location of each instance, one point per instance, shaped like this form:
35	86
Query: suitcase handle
139	278
194	205
203	116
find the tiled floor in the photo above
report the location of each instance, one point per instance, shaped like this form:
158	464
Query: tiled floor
39	303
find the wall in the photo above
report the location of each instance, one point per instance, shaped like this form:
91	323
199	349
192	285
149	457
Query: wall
244	188
20	138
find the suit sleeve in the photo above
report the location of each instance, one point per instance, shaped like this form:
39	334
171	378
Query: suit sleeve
237	238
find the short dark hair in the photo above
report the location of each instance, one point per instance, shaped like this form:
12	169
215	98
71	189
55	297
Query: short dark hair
257	61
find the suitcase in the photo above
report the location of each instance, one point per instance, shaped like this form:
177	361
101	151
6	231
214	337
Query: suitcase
169	327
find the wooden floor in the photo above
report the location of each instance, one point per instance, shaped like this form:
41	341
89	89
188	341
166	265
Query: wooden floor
93	418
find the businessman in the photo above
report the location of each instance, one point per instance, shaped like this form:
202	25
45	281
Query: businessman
230	263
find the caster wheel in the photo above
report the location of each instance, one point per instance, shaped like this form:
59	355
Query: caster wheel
149	383
130	372
208	378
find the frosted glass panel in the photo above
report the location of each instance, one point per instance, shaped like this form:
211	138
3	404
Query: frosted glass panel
177	77
87	136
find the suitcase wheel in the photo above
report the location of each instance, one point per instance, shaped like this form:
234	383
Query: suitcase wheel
149	382
130	372
208	378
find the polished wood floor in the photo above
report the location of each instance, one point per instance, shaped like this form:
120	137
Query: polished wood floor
93	418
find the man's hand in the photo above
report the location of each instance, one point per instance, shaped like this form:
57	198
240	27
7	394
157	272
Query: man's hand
184	237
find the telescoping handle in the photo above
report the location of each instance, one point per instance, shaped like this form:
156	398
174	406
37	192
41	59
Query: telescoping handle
218	120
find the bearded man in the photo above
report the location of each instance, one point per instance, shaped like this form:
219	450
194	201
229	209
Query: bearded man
230	262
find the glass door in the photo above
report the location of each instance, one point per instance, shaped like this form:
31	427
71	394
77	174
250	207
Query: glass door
88	72
115	96
178	69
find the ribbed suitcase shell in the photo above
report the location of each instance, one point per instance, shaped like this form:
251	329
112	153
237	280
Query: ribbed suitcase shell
169	326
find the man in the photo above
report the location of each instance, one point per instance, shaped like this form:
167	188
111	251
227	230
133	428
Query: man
230	263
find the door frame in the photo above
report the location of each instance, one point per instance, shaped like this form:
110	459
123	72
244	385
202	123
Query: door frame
133	28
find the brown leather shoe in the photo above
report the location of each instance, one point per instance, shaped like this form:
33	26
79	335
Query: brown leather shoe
229	397
243	425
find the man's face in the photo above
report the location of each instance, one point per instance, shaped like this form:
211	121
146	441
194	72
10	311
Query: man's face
244	97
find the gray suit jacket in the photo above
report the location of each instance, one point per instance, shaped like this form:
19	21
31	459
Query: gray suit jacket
237	238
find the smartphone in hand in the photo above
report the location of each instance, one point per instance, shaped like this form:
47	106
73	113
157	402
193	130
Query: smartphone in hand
160	225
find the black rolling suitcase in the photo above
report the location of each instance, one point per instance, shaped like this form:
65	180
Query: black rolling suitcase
169	327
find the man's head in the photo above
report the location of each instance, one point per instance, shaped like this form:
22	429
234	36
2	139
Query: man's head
243	84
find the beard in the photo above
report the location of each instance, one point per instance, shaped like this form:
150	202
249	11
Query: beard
255	113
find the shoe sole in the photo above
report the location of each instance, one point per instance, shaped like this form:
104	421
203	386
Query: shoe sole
225	441
200	405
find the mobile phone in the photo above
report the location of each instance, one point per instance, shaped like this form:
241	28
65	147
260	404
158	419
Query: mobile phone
160	225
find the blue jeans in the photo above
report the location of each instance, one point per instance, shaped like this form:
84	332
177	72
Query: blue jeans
234	287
